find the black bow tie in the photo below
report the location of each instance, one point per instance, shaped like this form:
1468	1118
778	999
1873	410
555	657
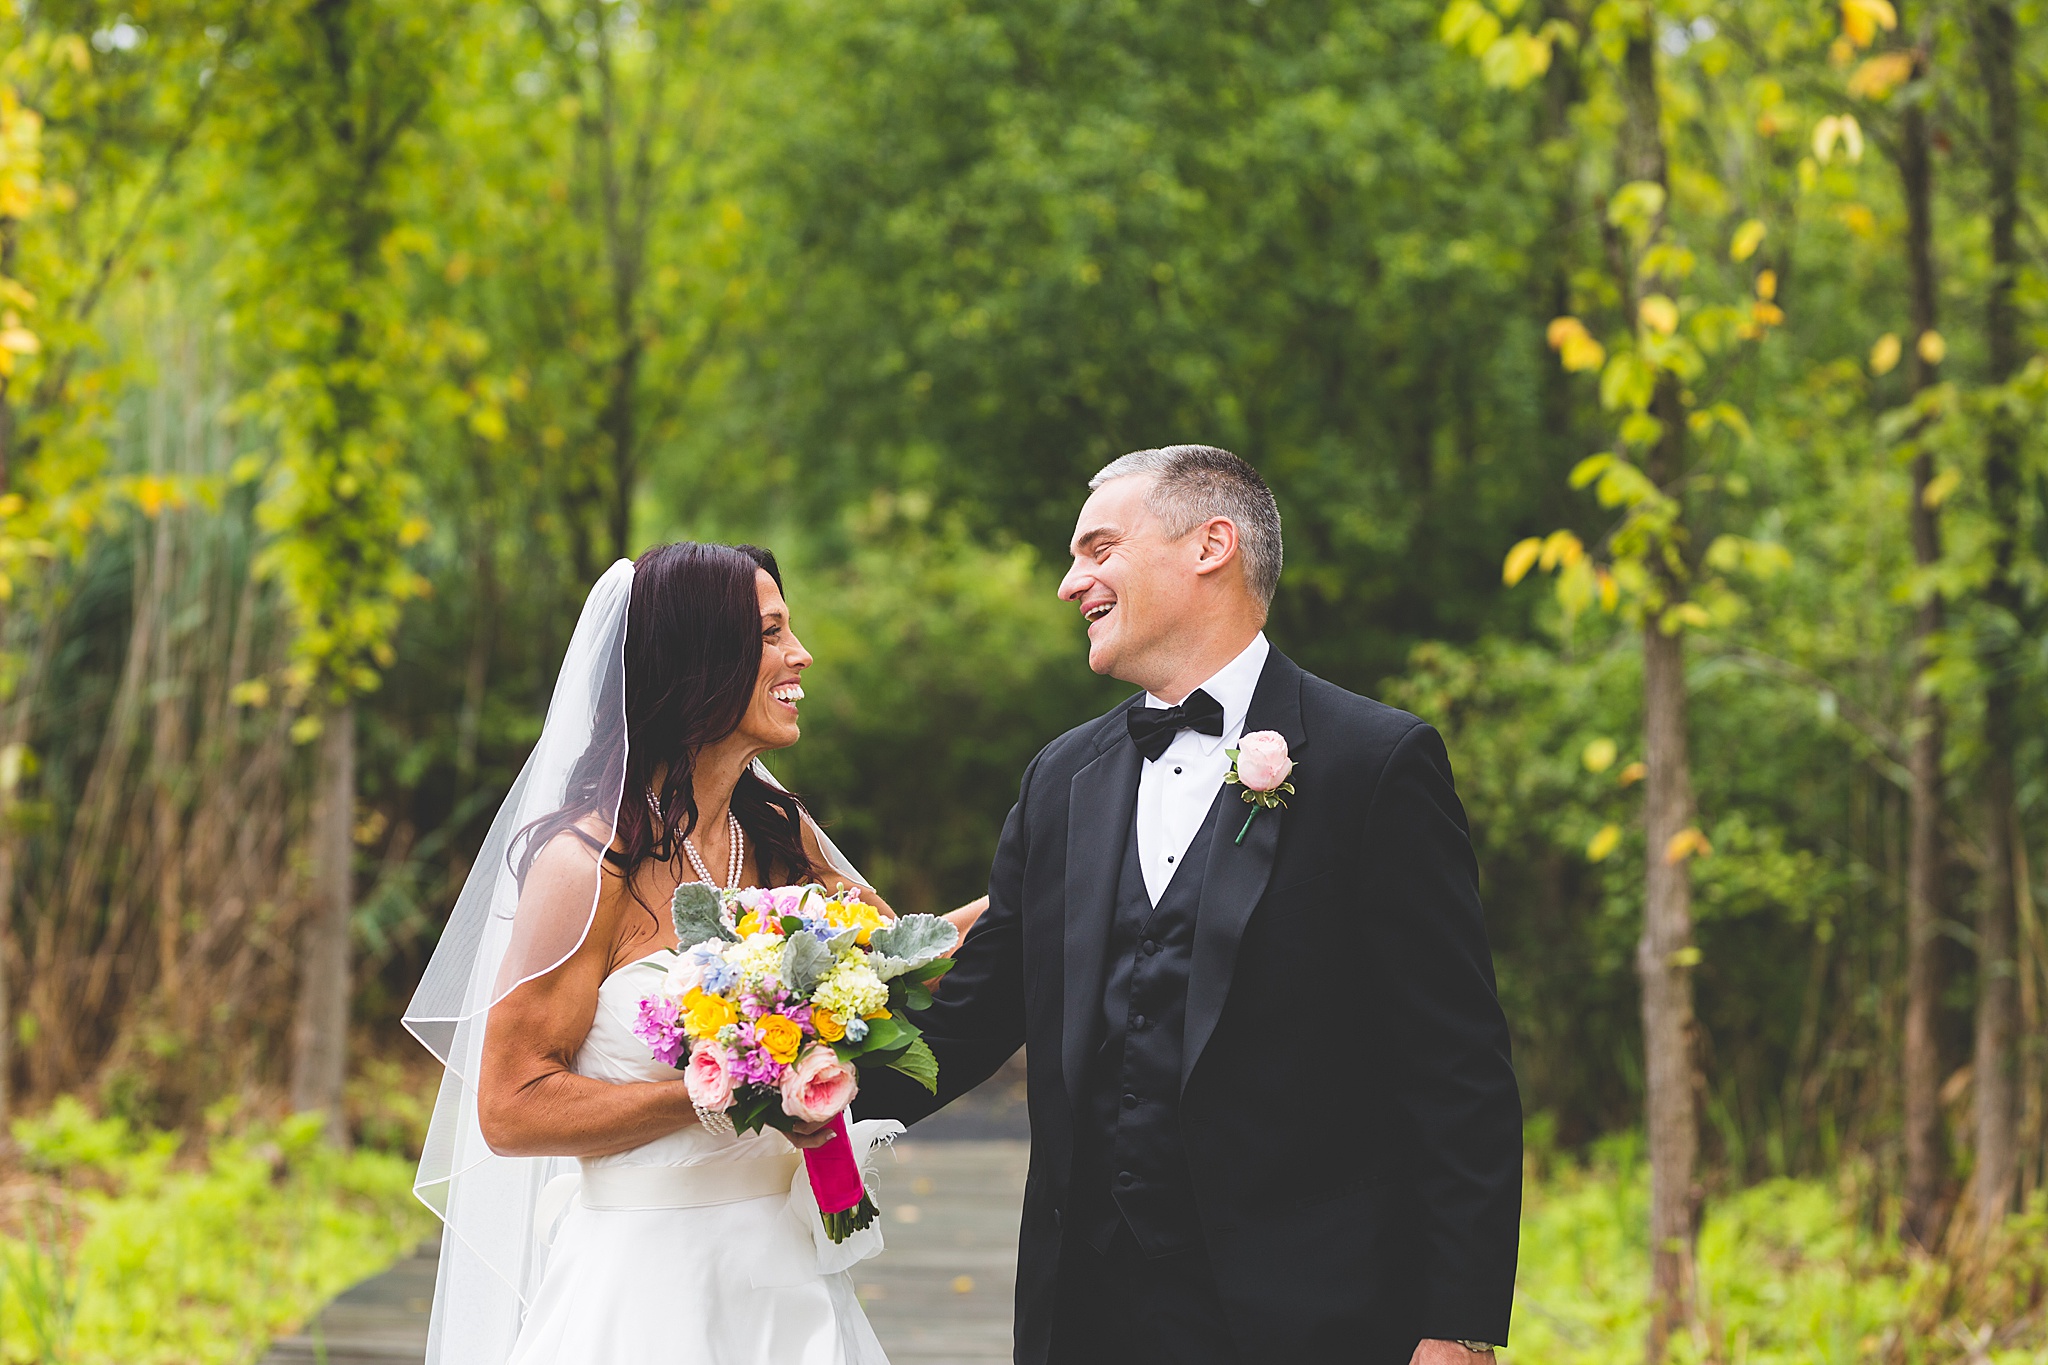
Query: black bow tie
1153	728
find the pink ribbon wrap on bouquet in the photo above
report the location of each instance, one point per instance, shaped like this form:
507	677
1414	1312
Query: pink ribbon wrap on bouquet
835	1171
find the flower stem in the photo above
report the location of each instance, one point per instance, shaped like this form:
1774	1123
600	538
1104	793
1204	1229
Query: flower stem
1247	825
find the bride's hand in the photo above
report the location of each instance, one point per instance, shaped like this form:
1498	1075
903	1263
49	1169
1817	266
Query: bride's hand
963	919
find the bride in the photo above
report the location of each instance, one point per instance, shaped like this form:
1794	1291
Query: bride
591	1218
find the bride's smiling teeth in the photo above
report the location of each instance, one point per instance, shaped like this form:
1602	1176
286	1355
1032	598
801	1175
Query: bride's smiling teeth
788	692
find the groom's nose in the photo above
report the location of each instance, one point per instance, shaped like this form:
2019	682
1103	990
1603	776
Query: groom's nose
1075	583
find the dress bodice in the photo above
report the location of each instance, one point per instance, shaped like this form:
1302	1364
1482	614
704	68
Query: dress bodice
611	1052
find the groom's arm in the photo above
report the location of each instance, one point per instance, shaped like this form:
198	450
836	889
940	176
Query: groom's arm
1456	1082
976	1019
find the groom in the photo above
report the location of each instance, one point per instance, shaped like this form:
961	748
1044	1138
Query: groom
1272	1113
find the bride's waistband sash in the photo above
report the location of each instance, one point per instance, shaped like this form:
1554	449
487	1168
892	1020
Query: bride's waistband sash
664	1187
688	1187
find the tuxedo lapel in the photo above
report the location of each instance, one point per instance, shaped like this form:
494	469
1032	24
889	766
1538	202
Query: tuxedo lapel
1101	803
1235	875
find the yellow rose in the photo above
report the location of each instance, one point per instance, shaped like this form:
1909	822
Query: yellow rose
828	1024
704	1015
878	1014
780	1036
850	914
750	923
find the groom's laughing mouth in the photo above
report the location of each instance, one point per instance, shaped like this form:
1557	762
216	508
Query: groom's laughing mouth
1095	609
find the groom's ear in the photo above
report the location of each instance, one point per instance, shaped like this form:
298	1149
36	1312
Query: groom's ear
1215	544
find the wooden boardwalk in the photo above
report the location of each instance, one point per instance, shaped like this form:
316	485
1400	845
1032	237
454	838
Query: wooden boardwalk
939	1295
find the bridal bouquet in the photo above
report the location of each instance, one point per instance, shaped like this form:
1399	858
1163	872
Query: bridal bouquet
778	998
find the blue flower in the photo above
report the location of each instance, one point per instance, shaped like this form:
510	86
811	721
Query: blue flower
856	1029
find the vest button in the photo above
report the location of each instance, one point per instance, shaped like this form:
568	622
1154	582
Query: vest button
1151	946
1137	1021
1130	1101
1126	1179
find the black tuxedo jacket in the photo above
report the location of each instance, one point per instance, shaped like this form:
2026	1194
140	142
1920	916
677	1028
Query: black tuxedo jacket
1348	1110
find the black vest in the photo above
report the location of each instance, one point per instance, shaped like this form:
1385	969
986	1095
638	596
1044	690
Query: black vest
1129	1163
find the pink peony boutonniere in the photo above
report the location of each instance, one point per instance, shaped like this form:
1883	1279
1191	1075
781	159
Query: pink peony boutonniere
1260	764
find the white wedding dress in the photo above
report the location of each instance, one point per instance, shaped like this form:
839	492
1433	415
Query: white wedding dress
670	1254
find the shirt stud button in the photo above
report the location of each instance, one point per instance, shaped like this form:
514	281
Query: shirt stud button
1169	857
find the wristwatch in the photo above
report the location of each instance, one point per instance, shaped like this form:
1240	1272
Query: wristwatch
1478	1348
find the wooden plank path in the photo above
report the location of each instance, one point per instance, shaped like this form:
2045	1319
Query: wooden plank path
938	1295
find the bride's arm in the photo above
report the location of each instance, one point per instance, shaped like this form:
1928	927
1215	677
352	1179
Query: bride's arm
529	1101
962	919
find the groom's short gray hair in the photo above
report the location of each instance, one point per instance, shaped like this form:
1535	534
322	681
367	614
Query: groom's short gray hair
1191	484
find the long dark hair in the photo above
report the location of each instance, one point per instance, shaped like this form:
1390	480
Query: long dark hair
692	660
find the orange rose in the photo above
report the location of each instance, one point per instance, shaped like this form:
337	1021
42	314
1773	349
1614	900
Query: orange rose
828	1025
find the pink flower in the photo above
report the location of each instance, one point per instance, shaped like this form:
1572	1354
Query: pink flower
708	1077
1262	761
817	1085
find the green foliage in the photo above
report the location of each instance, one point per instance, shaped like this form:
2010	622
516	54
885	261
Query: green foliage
175	1262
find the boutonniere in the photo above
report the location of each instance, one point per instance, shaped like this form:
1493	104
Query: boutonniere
1260	764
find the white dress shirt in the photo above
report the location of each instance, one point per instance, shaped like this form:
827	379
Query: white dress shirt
1176	789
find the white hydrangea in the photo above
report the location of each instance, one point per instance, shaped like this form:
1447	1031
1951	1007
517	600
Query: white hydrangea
757	956
851	989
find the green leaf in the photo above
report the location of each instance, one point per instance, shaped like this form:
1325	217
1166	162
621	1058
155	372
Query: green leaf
696	911
918	1063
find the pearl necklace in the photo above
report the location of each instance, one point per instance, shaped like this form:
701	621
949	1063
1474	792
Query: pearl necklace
737	838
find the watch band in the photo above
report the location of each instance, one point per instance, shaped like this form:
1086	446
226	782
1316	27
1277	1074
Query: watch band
1478	1348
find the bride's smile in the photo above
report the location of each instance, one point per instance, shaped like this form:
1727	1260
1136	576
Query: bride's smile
771	719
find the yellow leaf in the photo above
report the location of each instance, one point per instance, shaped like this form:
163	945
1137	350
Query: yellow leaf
306	729
1767	284
1610	591
19	340
1837	128
1632	774
1939	487
1688	956
1687	843
1747	239
1765	315
1602	844
254	692
1881	75
1599	755
1684	614
1561	549
413	532
1884	356
1861	19
1520	560
1659	314
1575	346
1932	348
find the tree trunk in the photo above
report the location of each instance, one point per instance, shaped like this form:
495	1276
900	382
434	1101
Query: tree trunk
1921	1052
320	1037
1664	963
1665	955
1992	1065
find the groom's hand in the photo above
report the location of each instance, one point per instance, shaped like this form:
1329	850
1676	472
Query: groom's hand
1433	1352
809	1135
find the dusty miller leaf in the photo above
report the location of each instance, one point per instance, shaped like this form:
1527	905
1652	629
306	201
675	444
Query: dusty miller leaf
913	940
804	962
696	909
